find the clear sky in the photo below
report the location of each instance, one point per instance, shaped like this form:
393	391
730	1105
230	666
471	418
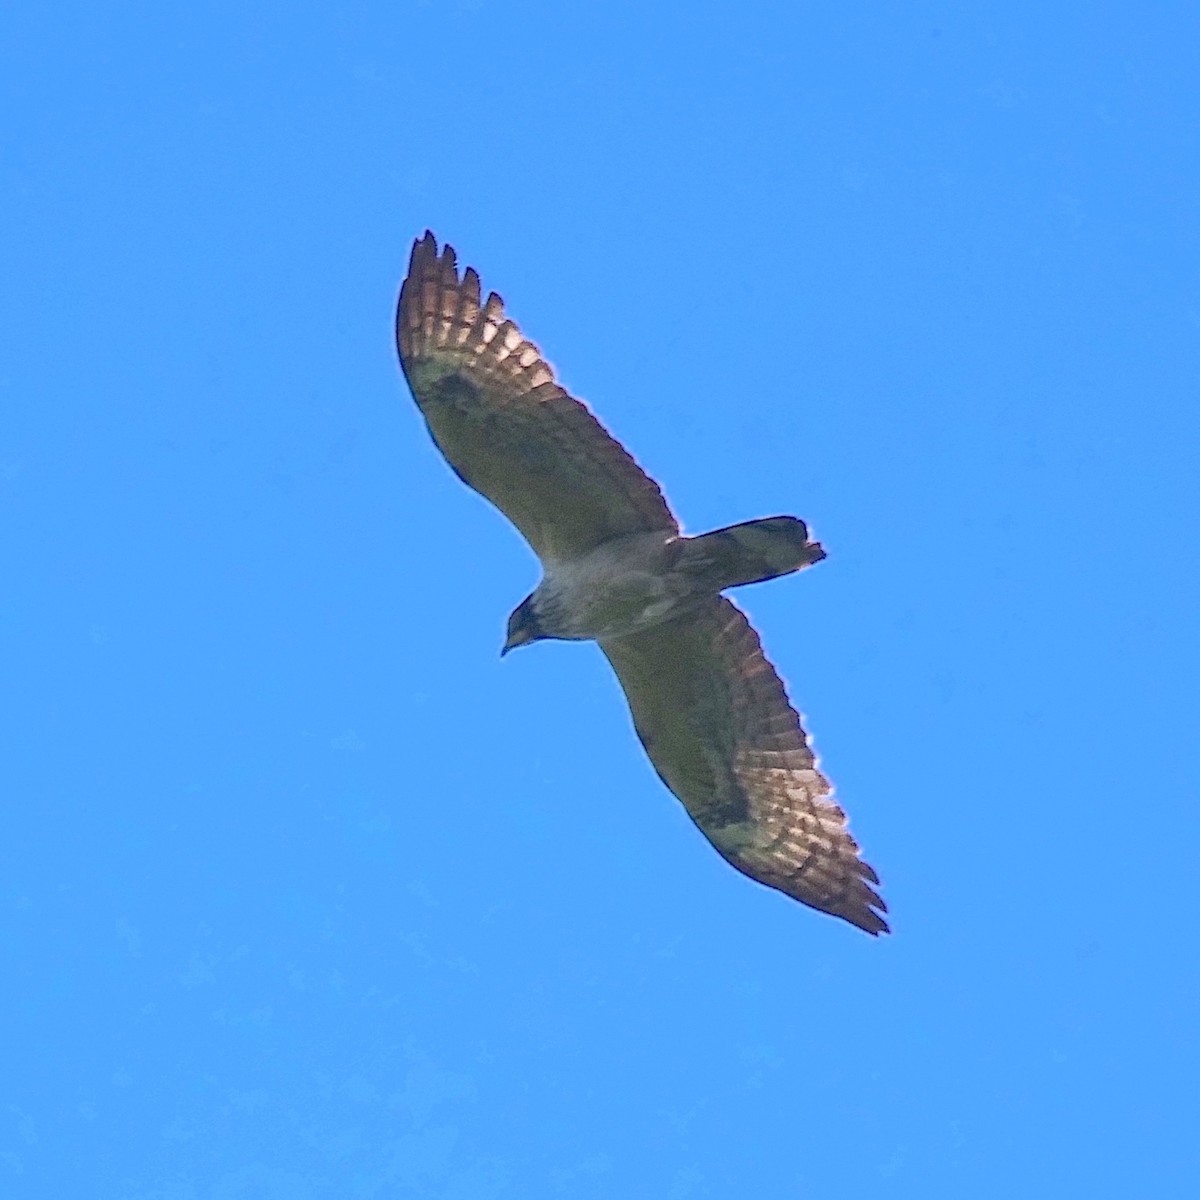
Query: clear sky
304	895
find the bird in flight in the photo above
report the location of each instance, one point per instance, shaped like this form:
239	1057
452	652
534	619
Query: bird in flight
709	708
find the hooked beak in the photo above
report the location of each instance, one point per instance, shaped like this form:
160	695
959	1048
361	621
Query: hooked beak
519	637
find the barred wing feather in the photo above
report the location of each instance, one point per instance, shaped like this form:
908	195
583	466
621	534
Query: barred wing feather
715	720
505	426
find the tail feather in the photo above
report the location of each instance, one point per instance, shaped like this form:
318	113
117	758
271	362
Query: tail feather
750	552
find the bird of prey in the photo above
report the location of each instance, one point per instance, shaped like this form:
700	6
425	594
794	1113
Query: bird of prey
708	707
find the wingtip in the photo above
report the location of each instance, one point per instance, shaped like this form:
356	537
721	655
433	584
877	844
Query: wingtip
868	919
865	918
867	914
425	251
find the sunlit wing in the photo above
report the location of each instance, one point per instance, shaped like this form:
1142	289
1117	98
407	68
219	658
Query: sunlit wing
505	426
715	720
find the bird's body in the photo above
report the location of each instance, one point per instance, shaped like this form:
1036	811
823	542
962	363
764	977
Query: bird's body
638	580
622	586
709	709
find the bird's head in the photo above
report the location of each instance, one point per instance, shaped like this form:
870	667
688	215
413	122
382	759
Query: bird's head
523	626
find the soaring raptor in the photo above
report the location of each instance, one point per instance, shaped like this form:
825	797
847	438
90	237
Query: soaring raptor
708	707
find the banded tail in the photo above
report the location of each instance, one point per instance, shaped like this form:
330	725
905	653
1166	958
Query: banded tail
750	552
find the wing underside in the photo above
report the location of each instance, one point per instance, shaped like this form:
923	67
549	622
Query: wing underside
505	426
715	720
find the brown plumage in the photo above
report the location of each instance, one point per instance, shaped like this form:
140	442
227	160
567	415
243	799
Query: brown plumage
708	707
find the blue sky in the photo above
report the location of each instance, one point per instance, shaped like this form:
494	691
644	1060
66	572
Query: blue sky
303	893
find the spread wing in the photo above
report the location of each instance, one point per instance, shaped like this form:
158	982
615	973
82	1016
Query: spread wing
505	426
716	723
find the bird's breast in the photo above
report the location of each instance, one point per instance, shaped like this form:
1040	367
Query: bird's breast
610	594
